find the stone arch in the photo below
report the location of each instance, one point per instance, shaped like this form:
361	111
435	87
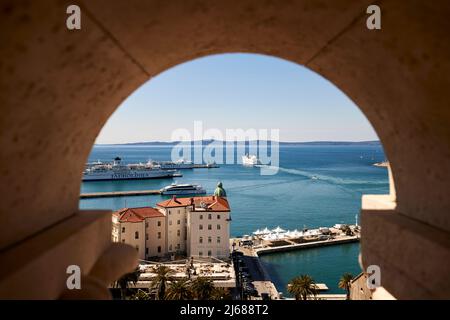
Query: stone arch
58	87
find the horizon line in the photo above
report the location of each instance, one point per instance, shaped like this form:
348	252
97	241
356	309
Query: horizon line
238	141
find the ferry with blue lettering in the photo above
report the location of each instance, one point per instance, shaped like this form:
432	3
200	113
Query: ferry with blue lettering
101	171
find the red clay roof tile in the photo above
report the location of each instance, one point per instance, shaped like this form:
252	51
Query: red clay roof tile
137	214
213	203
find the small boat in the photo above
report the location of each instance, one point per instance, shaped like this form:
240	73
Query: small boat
182	189
252	160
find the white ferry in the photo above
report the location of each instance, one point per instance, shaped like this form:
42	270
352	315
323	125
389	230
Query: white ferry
118	171
252	160
179	164
182	189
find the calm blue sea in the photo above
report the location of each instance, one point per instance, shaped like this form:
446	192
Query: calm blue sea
290	199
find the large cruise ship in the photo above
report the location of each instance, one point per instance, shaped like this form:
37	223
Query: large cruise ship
118	171
183	189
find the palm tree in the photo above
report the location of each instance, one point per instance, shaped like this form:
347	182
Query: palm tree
220	294
302	287
123	282
140	295
179	290
344	283
202	288
163	275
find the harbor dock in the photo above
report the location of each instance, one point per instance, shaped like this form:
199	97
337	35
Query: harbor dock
205	166
119	194
250	249
296	246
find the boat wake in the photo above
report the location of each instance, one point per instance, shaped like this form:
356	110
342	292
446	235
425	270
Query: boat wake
329	179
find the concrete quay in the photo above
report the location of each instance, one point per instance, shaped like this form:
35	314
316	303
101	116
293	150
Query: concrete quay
261	279
119	194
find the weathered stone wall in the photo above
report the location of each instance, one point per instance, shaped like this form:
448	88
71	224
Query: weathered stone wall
58	88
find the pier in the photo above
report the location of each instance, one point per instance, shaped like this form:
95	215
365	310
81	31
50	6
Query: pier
296	246
251	248
119	194
205	166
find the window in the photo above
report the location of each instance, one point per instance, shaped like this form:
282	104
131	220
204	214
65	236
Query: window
123	229
146	236
200	227
123	240
200	240
218	239
178	233
159	249
218	217
170	222
159	235
209	253
209	216
200	253
169	212
178	211
146	250
170	248
159	223
218	227
209	240
136	235
201	217
178	221
209	227
137	248
178	246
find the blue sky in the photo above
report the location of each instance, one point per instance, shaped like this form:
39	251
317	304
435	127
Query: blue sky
238	91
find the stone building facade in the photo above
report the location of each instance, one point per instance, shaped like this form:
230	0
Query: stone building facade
197	226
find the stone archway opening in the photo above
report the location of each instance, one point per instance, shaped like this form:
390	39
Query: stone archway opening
142	124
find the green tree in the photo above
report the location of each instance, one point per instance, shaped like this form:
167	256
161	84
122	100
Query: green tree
344	283
302	287
179	290
140	295
163	275
347	230
124	281
202	288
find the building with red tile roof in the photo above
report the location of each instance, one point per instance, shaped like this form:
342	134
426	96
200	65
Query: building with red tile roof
209	203
195	226
137	214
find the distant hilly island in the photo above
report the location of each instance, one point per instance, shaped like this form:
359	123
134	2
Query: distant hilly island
206	142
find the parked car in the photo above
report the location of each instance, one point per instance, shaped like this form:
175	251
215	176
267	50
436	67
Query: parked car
250	289
265	296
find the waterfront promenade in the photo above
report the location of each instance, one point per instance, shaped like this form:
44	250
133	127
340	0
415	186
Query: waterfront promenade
261	279
296	246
